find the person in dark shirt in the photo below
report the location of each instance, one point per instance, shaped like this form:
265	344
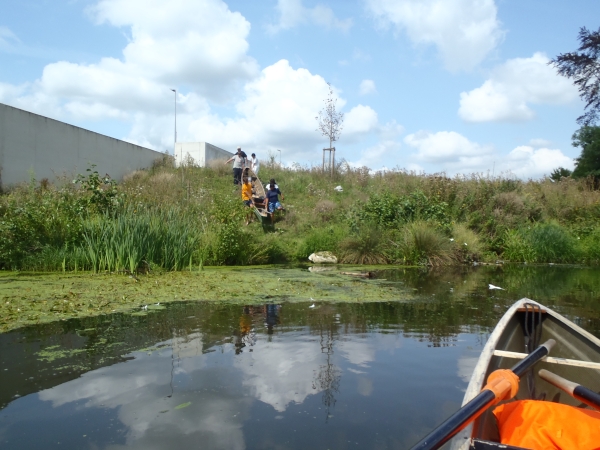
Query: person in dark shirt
273	199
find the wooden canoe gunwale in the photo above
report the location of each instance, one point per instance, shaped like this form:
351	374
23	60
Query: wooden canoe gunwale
462	440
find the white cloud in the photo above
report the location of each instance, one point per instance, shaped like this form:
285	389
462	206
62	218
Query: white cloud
453	153
360	120
198	47
527	162
463	31
7	38
367	87
512	87
293	13
447	147
278	112
199	44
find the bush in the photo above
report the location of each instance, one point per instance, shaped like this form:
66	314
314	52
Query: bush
467	246
517	247
552	243
320	240
366	247
545	242
423	244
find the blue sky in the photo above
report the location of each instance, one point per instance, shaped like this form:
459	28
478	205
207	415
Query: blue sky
454	86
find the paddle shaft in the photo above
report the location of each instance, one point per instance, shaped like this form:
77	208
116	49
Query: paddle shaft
577	391
477	405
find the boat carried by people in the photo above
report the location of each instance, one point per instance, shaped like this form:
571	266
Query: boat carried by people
543	378
259	199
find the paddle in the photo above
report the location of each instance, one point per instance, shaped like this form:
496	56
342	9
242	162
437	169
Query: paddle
577	391
502	385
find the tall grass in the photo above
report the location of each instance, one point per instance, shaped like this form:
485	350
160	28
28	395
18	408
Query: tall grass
421	243
131	241
172	217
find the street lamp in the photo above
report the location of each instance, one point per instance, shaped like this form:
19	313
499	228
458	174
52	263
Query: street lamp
175	91
279	157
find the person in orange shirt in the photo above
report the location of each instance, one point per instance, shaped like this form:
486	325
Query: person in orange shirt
247	194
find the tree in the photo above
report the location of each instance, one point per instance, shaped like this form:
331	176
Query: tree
583	66
561	172
588	163
330	122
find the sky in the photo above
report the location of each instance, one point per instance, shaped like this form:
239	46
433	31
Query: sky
430	86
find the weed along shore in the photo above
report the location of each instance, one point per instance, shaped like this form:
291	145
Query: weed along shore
34	298
168	219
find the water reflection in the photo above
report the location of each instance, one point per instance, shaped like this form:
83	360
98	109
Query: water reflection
269	375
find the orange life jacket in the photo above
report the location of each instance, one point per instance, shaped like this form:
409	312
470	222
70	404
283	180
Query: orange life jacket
543	425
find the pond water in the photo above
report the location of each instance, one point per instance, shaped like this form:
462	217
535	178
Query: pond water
275	374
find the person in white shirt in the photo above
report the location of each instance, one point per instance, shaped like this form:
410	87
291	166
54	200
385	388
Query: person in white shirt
255	165
239	162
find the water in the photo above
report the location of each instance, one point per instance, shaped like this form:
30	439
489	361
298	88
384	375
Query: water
274	375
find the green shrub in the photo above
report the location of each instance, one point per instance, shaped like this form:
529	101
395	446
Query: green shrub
590	246
32	220
366	247
467	246
320	240
423	244
552	243
517	247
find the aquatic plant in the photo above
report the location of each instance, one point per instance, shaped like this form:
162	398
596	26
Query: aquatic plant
132	240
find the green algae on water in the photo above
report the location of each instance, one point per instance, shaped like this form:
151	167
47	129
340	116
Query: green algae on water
34	298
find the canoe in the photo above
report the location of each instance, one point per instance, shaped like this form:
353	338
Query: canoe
527	324
260	208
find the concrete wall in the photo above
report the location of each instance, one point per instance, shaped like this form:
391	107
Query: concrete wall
47	148
202	153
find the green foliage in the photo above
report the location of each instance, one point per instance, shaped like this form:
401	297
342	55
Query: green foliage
366	247
588	163
552	243
544	242
133	241
517	247
389	210
31	220
102	193
590	246
320	240
196	217
467	246
559	173
423	244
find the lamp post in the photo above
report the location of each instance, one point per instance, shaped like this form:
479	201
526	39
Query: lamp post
175	91
279	157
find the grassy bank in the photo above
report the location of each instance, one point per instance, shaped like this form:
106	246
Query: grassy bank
166	219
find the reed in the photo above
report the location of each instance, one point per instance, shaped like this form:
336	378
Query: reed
133	240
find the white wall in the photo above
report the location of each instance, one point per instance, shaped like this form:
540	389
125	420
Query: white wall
202	153
31	144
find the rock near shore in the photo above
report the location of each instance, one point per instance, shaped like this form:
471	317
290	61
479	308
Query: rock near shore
323	258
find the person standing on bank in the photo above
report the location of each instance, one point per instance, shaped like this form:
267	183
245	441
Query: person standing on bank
239	161
273	200
255	165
